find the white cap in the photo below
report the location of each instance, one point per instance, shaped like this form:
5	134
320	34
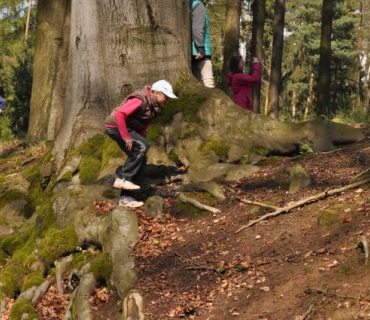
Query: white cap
164	87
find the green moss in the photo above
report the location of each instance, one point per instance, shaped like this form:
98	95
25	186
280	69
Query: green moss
33	279
305	148
58	242
92	148
191	211
67	177
259	150
2	221
154	132
13	242
269	161
10	278
327	219
10	196
110	150
188	105
109	194
102	267
89	169
216	146
91	158
173	157
46	217
21	307
38	196
33	172
3	257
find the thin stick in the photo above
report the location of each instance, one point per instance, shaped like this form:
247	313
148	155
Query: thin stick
329	294
257	203
308	312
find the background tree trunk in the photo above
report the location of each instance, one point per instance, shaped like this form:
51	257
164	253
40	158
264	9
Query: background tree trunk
52	42
106	51
276	60
259	12
232	36
323	82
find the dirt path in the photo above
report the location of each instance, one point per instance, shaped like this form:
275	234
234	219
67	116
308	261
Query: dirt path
304	264
299	265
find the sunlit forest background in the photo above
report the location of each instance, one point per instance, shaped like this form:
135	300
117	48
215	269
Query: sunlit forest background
349	63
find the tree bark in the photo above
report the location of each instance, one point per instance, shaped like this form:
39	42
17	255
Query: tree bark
91	54
48	91
277	57
259	13
323	82
232	35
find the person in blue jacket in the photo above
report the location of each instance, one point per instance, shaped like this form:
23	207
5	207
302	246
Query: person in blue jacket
2	105
201	50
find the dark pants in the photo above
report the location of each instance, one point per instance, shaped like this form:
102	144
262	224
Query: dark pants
136	157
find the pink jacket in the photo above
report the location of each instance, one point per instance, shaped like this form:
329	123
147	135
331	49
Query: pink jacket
242	85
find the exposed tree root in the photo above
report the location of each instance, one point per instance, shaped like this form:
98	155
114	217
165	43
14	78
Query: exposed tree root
302	202
197	204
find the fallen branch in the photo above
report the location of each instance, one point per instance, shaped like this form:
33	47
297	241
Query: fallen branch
329	294
197	204
300	203
308	312
264	205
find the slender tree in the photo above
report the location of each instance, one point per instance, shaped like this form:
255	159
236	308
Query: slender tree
323	82
28	21
232	35
259	15
276	59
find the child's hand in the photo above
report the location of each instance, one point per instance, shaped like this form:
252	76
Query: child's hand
129	144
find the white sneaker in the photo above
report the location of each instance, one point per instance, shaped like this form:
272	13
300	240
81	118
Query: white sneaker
125	184
129	202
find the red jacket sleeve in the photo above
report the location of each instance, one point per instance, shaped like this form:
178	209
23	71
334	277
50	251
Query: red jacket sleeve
252	80
123	112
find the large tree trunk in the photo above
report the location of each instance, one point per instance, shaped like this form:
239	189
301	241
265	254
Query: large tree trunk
92	54
48	88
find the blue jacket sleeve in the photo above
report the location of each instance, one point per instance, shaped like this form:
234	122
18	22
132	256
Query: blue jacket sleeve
2	103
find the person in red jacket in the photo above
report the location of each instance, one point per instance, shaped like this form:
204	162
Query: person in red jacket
127	125
241	83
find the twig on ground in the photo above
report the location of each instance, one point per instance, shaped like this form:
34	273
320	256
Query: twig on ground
197	204
257	203
196	265
300	203
308	312
329	294
365	248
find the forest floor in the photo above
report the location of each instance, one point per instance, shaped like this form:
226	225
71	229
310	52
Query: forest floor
306	263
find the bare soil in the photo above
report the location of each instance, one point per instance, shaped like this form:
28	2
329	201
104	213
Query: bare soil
306	263
303	264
